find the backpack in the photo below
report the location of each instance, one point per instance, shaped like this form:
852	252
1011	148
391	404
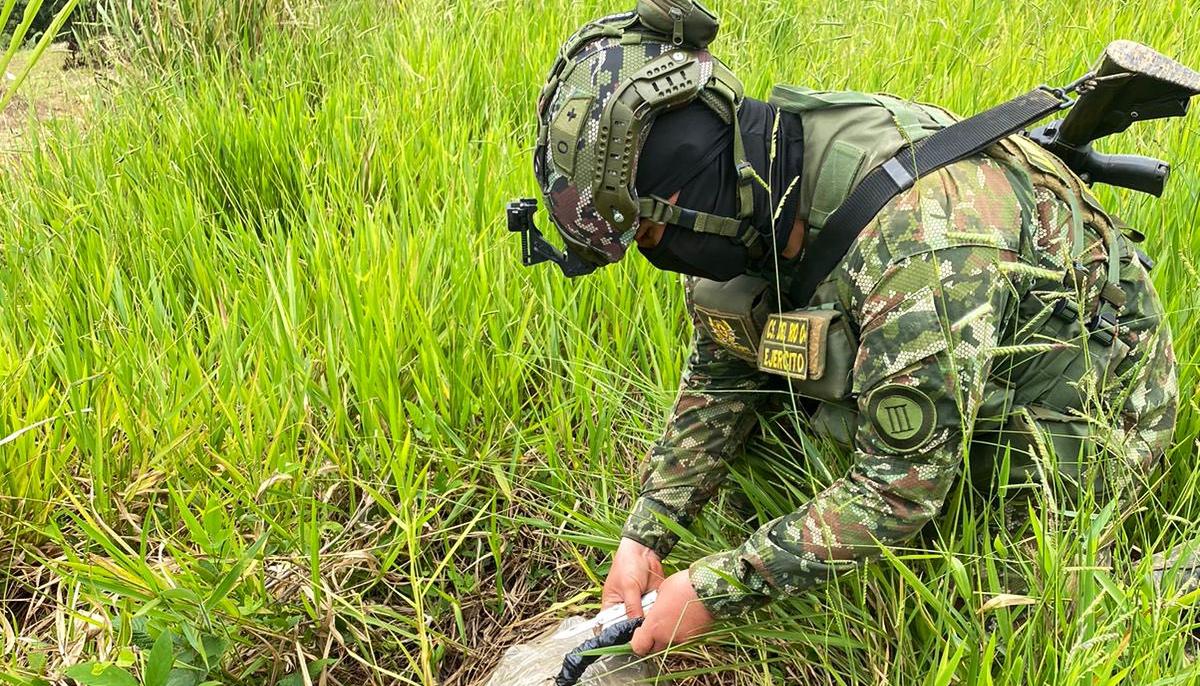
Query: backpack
866	129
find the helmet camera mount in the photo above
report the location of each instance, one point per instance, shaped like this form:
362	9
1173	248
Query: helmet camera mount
535	249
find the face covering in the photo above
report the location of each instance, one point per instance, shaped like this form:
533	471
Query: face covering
697	254
681	145
691	150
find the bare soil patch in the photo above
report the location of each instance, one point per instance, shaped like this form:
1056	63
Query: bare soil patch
55	89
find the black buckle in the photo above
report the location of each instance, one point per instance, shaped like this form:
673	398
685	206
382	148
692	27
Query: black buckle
1104	327
1066	309
1076	276
1147	262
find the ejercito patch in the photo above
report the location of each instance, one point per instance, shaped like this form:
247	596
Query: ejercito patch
793	344
784	348
903	416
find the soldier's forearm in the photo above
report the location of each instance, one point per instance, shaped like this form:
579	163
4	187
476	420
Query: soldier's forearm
765	568
687	465
878	504
676	486
645	526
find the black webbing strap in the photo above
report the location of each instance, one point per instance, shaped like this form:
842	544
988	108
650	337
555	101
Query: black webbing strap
898	174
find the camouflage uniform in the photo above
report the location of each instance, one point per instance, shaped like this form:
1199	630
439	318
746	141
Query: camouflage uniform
956	292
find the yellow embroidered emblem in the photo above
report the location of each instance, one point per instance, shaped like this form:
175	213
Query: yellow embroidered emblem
722	332
730	332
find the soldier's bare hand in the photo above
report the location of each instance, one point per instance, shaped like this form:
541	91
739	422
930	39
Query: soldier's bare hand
677	616
636	570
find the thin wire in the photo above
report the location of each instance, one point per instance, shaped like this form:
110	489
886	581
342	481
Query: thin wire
777	210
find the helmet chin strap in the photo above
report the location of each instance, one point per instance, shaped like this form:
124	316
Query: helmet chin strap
662	211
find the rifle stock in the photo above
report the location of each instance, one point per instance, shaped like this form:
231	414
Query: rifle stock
1130	83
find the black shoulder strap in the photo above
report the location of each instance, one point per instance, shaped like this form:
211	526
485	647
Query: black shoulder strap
898	174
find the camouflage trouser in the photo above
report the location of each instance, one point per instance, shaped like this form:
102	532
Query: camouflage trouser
1102	453
1056	459
1092	418
1178	569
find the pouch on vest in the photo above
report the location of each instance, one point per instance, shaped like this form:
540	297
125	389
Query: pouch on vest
814	348
1037	447
1067	377
836	421
733	312
687	22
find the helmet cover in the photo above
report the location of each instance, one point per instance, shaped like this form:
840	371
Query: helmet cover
580	127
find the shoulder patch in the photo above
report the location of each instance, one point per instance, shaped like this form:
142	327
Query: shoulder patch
903	416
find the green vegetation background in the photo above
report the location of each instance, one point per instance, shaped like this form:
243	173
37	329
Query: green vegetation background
46	11
275	385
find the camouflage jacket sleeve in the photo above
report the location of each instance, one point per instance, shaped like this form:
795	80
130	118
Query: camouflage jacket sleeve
928	324
718	397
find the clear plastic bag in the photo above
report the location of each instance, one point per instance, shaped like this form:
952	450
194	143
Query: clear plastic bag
537	662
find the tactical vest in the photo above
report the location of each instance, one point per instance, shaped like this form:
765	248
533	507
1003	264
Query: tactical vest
846	135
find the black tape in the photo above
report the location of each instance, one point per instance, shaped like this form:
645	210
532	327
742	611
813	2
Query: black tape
575	663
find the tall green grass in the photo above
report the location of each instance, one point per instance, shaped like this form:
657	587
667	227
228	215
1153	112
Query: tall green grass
276	388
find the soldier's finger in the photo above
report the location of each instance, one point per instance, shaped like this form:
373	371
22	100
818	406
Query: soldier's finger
642	643
633	601
610	596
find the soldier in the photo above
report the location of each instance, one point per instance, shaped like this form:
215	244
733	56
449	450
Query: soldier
991	322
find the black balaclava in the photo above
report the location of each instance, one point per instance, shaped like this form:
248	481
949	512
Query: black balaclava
691	150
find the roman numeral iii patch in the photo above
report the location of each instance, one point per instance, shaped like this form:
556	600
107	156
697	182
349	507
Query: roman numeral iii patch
903	417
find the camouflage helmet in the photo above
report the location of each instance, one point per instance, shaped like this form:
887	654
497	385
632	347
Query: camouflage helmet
612	78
